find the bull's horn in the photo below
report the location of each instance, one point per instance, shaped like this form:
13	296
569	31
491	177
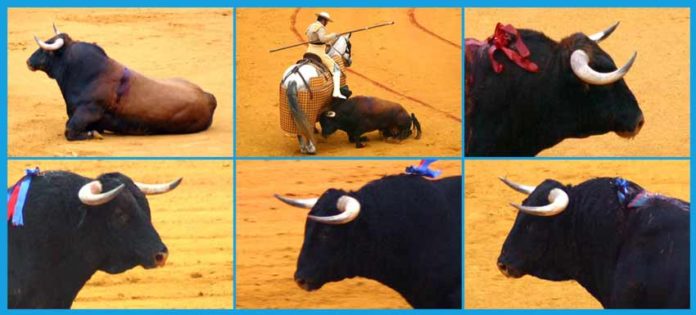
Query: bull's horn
349	208
300	203
558	202
154	189
55	29
91	193
57	44
580	63
518	187
600	36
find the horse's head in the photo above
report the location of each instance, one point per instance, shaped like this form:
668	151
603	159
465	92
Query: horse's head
342	47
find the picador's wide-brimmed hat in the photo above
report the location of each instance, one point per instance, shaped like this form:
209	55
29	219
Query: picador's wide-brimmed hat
324	15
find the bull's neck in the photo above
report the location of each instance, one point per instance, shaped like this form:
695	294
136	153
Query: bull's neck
51	279
376	260
597	240
77	79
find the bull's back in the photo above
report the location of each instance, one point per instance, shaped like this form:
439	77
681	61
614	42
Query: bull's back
168	106
656	256
380	113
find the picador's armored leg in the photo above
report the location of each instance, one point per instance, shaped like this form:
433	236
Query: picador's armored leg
337	82
84	116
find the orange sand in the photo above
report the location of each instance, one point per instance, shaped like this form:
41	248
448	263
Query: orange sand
402	57
270	234
489	219
160	43
659	78
194	221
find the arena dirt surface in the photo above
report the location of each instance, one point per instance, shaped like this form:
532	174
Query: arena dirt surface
659	78
194	221
415	62
160	43
489	218
270	233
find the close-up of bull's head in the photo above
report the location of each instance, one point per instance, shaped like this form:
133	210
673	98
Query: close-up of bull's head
48	56
117	215
547	92
597	87
328	239
542	241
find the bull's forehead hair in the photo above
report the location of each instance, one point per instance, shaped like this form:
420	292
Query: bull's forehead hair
111	180
66	39
327	201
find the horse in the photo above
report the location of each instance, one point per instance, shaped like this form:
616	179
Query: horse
306	91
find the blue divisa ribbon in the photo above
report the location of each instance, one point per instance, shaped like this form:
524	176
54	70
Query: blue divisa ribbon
423	169
621	189
21	189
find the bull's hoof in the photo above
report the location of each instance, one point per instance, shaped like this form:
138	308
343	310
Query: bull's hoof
95	135
359	145
77	136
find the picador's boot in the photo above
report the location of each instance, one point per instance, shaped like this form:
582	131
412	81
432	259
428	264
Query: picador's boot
337	83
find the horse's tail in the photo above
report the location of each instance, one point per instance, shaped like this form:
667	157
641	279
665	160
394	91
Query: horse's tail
416	125
303	126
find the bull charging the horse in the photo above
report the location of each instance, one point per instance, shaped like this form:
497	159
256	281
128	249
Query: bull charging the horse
308	87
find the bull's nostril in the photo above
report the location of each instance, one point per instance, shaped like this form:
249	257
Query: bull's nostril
161	259
502	266
641	123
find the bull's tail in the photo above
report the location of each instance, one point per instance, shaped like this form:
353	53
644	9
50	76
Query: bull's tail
302	124
212	102
416	125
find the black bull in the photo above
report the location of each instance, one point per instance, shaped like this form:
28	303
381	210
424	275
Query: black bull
103	95
72	229
625	246
403	231
576	92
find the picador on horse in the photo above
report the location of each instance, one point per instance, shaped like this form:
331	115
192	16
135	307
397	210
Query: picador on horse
308	87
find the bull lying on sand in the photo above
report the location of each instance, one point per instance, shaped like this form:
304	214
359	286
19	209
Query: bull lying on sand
72	227
403	231
360	114
103	95
629	248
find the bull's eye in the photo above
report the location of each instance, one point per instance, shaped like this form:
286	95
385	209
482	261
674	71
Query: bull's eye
324	235
121	218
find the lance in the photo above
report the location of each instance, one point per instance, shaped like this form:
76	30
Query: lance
339	34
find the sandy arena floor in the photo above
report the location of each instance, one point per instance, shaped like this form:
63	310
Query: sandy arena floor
416	62
194	221
489	219
659	78
270	234
160	43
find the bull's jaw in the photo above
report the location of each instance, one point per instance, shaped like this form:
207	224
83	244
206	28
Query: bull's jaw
510	272
629	134
307	285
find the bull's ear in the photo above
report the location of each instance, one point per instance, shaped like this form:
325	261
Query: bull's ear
330	114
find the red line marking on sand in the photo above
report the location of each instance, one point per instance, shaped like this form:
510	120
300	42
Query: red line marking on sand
293	23
412	19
